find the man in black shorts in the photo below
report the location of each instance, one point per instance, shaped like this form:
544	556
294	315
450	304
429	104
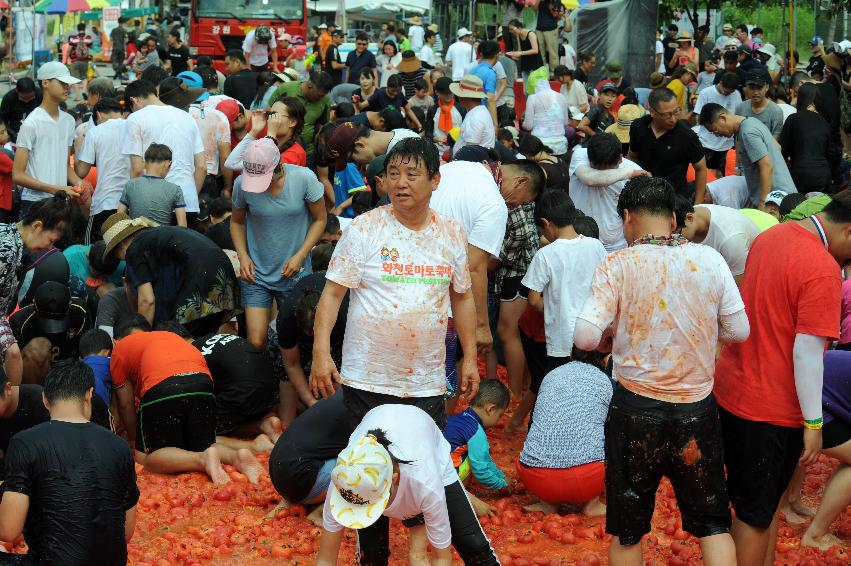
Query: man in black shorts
85	515
49	329
21	408
663	419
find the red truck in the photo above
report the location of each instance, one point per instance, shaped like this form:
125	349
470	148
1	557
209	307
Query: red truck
217	26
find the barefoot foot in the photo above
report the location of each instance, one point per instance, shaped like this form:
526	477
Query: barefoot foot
248	465
284	504
541	506
213	465
262	445
272	427
823	542
796	513
315	516
594	508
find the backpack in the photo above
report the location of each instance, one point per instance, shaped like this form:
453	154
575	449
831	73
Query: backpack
81	50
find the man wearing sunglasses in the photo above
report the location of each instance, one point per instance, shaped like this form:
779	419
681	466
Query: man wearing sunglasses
664	145
360	58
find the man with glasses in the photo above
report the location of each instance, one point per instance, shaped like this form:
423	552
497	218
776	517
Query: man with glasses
360	58
664	145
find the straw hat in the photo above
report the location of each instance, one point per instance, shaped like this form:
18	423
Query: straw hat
360	483
416	21
470	86
627	114
410	62
832	60
657	80
433	27
685	36
119	227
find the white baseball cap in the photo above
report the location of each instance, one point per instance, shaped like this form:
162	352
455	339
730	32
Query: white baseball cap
56	70
775	197
464	32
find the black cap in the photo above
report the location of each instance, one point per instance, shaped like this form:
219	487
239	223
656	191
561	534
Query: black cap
474	153
756	78
52	302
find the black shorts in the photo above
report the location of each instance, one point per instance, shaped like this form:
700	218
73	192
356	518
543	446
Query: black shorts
835	433
539	362
513	289
179	412
760	458
715	159
359	402
646	439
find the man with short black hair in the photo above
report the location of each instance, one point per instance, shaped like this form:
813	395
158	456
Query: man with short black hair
118	43
80	52
21	408
87	513
665	146
178	54
17	104
330	60
757	105
726	94
360	58
488	57
241	81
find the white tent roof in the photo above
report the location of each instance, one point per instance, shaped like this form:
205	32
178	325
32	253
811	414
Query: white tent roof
364	6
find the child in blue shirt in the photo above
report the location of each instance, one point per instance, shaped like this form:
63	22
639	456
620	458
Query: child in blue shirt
347	182
95	350
465	433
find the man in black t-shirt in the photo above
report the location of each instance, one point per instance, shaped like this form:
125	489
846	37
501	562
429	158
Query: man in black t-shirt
49	329
244	386
178	53
360	58
241	82
18	103
21	408
549	13
85	515
332	63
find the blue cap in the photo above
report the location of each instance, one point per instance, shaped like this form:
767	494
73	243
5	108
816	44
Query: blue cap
193	80
816	40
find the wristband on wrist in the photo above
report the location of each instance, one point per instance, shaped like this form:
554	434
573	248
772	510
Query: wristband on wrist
814	424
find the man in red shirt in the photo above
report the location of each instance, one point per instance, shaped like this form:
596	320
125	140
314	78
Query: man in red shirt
769	387
168	379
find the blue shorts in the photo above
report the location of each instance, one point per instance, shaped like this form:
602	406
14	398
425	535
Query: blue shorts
258	296
323	480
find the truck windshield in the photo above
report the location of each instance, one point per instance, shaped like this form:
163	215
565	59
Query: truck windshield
250	9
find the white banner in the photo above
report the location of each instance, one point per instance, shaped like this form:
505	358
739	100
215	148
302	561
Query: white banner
110	16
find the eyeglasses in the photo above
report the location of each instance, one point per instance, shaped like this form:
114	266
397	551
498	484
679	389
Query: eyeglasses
667	114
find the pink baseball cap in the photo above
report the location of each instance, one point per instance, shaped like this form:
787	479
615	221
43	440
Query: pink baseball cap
258	165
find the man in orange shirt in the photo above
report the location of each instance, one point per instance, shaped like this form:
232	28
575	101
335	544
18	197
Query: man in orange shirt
168	379
769	387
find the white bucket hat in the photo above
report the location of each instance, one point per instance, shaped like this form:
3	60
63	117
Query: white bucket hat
360	483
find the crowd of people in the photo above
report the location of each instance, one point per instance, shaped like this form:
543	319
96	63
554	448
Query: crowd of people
307	257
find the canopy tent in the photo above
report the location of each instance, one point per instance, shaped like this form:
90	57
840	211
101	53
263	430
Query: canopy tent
367	9
125	12
65	6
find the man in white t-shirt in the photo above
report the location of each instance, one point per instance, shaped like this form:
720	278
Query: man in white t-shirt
568	58
660	53
731	191
402	265
102	149
259	44
598	174
726	94
726	230
460	54
477	128
426	53
416	33
152	121
45	141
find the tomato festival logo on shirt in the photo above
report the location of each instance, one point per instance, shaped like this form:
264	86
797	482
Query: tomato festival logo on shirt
395	272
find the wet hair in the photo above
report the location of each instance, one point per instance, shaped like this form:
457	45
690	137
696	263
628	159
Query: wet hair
554	205
204	60
790	202
174	327
516	23
531	145
594	357
586	226
321	81
99	264
157	153
320	255
683	208
415	151
332	224
25	85
153	74
393	118
127	327
107	106
344	110
647	195
838	209
562	71
658	95
533	171
305	309
809	93
141	88
492	391
55	213
710	113
361	202
730	80
381	438
504	135
488	49
395	81
68	380
209	77
93	341
730	57
220	206
604	150
236	55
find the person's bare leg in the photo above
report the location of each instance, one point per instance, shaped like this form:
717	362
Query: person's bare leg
315	516
625	555
837	495
541	506
288	405
177	461
260	445
243	460
13	364
768	559
272	427
257	326
491	361
509	335
594	508
718	550
751	543
417	546
515	424
35	361
791	505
